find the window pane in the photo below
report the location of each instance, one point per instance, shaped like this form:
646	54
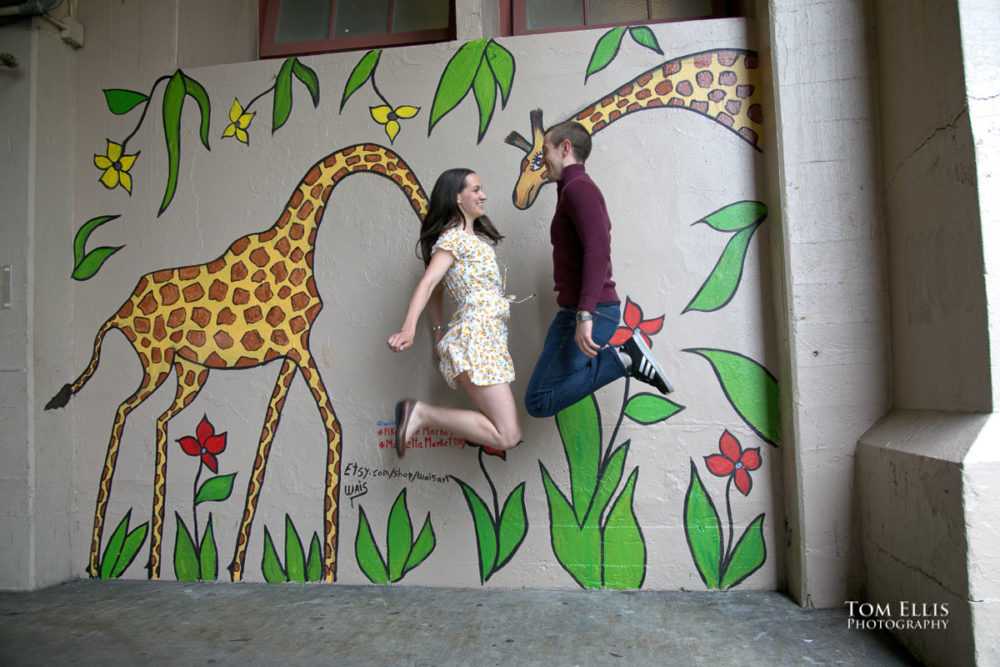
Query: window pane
361	17
546	14
302	21
603	12
681	9
411	15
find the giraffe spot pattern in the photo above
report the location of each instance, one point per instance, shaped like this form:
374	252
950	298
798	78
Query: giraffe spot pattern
169	294
193	292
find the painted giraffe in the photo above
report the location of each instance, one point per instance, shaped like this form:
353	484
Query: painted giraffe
721	85
253	305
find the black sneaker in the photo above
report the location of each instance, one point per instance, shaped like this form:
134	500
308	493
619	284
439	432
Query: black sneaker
644	366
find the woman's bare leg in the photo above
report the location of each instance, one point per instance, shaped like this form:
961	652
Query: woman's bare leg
495	425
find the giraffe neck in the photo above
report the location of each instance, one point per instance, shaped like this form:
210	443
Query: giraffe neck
721	85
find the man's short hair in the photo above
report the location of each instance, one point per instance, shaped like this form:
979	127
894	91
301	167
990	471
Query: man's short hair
577	135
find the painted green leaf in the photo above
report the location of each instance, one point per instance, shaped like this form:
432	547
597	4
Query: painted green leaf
173	102
703	530
456	80
502	63
295	558
360	73
577	548
649	408
314	566
513	526
485	89
113	550
748	554
271	564
605	51
208	555
85	265
185	556
282	96
750	389
486	534
580	430
308	77
608	483
721	285
624	546
399	536
366	551
644	36
736	216
423	546
197	92
133	543
121	101
216	488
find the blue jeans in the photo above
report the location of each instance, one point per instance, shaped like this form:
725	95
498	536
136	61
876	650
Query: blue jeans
563	374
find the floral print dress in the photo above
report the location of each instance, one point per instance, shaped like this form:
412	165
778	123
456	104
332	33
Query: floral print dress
476	340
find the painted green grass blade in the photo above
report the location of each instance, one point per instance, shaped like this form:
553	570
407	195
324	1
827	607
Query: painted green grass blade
648	408
215	489
486	533
93	261
295	558
360	74
703	530
173	102
133	543
282	99
82	234
422	548
208	555
308	77
750	389
314	565
456	80
366	551
577	548
721	285
502	63
399	536
197	92
274	573
484	88
185	555
748	555
605	51
644	36
736	216
610	477
513	526
113	550
580	429
121	101
624	545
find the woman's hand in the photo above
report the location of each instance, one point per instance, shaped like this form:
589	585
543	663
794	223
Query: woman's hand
400	340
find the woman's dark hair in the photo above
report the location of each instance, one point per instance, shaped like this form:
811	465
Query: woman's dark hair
443	213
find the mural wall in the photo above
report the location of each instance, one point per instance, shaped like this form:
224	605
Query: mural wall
246	243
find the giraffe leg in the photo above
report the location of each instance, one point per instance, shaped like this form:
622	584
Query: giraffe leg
190	379
271	419
146	388
331	508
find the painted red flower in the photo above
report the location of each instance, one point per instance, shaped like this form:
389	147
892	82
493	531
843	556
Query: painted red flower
207	444
501	453
734	461
634	322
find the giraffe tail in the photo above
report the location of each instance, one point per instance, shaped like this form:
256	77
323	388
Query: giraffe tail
62	397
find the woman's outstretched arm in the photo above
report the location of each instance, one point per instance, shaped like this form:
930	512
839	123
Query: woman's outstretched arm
440	262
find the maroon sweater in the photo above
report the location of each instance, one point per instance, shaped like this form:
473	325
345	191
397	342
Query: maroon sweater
581	242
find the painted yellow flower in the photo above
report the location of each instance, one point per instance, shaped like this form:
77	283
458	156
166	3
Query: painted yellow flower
115	165
239	122
386	115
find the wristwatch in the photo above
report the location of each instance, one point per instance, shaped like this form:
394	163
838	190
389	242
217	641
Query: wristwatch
582	316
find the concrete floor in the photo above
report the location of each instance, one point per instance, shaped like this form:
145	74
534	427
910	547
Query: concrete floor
170	623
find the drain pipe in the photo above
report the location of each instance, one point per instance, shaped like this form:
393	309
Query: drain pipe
29	8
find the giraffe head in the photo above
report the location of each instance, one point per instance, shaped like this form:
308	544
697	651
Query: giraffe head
533	172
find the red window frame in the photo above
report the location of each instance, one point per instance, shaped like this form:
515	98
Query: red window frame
720	9
268	25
